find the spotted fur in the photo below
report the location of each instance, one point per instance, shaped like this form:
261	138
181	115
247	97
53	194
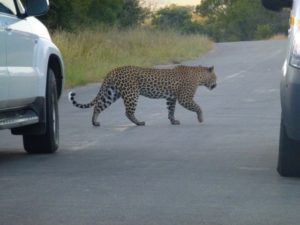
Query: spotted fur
177	84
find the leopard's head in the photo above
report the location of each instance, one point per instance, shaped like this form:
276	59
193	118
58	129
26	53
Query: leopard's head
204	75
209	77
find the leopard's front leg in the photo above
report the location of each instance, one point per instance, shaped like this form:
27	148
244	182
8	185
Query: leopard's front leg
190	104
171	103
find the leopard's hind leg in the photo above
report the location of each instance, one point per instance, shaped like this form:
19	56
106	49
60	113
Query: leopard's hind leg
105	98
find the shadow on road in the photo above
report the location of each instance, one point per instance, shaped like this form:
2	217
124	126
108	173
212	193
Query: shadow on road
7	155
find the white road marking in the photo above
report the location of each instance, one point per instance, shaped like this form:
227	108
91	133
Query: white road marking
235	75
122	128
254	168
83	145
250	100
272	90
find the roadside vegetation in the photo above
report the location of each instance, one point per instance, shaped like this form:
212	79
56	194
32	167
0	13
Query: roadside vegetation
90	54
98	35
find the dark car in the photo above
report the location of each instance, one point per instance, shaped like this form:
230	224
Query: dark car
289	142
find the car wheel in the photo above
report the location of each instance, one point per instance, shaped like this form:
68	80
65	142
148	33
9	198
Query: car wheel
48	142
289	154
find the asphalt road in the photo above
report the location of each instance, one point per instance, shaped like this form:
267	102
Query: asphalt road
221	172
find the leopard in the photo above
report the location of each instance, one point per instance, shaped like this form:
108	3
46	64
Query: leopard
177	84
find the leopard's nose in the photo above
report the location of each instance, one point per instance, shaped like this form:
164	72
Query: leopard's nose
213	86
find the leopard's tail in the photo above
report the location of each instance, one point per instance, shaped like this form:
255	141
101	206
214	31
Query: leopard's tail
76	104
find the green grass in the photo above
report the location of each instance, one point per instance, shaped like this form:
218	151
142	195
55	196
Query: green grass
90	54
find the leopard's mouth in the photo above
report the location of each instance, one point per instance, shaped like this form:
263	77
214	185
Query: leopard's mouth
212	86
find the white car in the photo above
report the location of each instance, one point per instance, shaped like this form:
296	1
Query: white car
31	76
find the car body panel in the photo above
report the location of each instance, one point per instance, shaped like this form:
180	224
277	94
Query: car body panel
290	83
44	50
3	69
26	51
290	104
20	47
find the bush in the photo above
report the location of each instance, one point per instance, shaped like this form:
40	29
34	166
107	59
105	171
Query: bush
263	31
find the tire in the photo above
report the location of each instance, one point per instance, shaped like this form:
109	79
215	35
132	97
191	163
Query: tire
49	141
289	155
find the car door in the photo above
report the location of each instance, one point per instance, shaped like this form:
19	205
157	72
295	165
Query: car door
20	47
20	62
3	70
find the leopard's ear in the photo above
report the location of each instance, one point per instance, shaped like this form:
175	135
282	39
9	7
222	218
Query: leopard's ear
211	69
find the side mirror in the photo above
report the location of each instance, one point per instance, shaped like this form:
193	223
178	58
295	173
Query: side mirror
277	5
37	7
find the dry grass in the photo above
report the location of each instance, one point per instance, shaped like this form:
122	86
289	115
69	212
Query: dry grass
278	37
90	54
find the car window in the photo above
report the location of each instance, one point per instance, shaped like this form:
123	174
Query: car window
8	7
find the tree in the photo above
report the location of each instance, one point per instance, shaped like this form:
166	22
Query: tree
60	14
104	11
233	20
173	17
132	14
69	14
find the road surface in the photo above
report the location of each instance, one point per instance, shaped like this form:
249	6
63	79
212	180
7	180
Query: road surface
221	172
